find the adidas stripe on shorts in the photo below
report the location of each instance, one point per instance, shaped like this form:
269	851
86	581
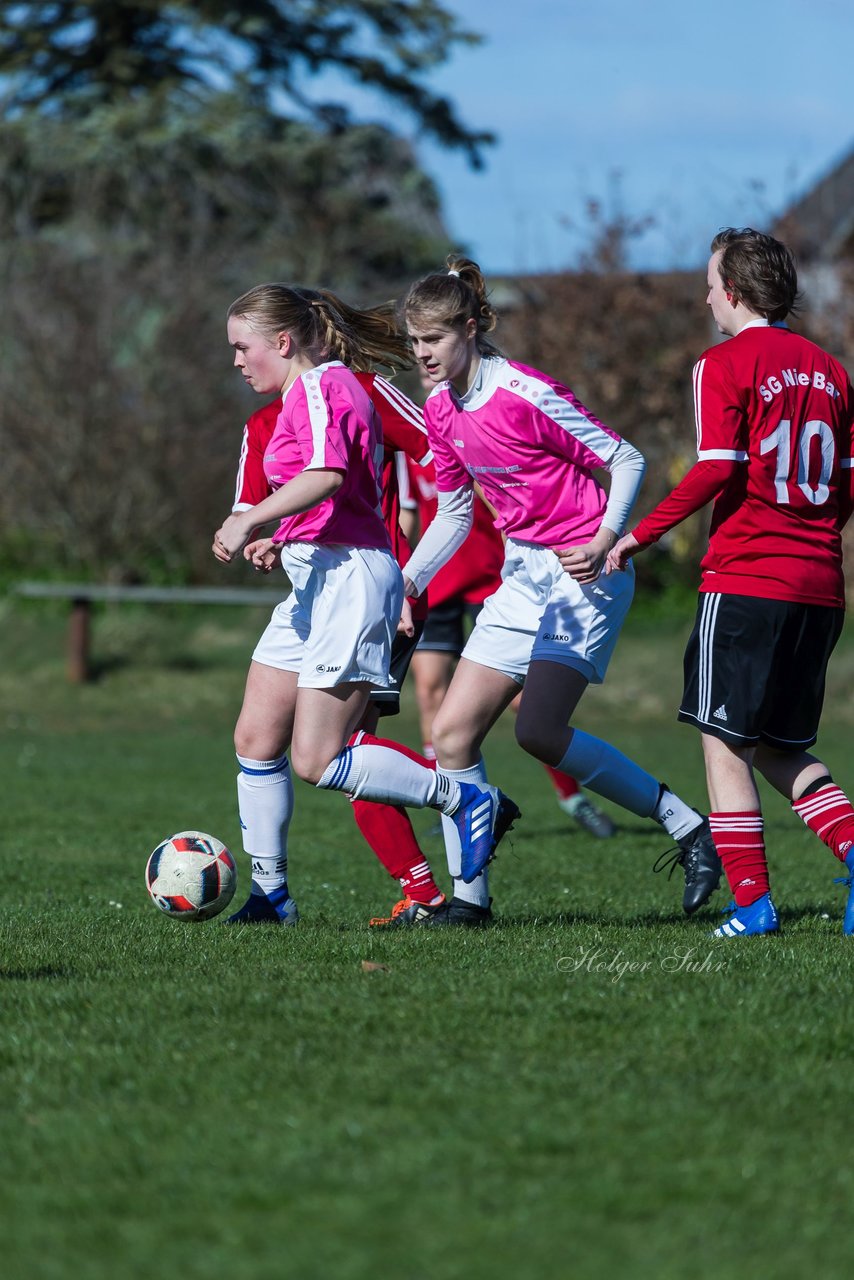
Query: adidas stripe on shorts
755	669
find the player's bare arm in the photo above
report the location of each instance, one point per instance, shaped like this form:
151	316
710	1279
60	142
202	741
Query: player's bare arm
304	491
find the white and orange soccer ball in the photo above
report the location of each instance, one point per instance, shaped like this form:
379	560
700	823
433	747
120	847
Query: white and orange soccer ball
191	876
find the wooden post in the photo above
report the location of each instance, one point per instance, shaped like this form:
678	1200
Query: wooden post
78	640
82	595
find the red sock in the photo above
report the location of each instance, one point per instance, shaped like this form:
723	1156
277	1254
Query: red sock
562	783
388	831
360	738
740	841
829	814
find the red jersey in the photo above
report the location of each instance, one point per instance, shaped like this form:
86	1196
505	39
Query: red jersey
775	438
403	430
474	571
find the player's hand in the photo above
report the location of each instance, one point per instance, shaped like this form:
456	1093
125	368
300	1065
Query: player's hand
621	553
231	538
262	554
221	553
586	562
406	625
410	590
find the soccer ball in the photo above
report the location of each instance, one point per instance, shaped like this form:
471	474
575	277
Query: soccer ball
191	876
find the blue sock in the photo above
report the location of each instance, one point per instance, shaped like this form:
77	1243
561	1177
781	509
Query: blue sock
605	770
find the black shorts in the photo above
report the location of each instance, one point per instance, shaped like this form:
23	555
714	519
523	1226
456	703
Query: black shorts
387	701
755	669
445	630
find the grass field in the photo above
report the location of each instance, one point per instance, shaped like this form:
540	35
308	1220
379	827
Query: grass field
589	1089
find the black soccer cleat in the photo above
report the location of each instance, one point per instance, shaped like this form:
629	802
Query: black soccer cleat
698	858
457	912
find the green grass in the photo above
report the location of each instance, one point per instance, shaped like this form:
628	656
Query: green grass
590	1089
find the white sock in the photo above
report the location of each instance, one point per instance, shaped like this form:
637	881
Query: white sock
265	797
605	770
372	772
478	891
677	818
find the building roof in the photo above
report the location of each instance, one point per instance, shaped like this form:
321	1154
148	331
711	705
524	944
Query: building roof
820	225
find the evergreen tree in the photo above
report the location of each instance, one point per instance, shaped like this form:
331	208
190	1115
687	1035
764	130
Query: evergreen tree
66	57
156	160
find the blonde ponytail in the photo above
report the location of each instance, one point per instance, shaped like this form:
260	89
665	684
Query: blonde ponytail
321	322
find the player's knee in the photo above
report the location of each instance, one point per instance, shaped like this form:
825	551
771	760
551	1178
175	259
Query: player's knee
453	742
532	738
309	763
252	745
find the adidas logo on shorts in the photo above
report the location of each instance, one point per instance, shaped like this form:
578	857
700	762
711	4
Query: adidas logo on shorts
720	714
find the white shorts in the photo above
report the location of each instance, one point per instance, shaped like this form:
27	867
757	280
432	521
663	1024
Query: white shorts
338	623
540	613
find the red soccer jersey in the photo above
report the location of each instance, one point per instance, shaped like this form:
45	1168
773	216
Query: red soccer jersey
775	437
474	571
252	485
403	430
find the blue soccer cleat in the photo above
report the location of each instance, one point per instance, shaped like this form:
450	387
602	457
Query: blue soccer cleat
483	817
848	921
759	917
277	907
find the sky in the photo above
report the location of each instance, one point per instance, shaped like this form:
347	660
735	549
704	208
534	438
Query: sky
697	115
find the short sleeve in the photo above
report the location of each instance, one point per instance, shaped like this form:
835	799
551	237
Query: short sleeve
719	413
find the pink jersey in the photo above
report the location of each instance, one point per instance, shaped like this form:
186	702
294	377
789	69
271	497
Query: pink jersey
474	571
530	445
404	439
328	420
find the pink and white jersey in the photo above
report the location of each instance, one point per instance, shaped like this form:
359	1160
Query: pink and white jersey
328	420
529	444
